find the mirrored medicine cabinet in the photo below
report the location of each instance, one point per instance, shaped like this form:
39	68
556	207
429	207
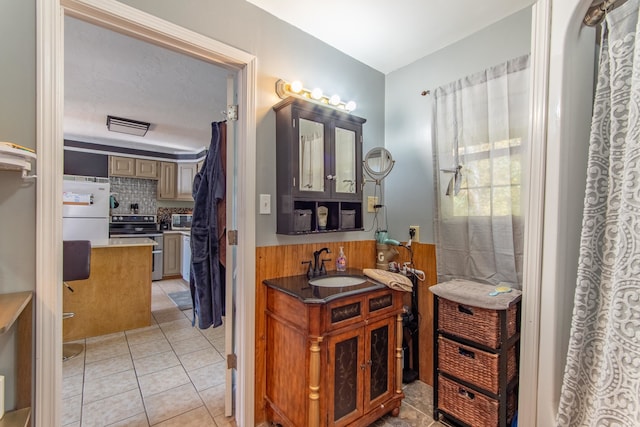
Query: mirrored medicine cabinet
319	168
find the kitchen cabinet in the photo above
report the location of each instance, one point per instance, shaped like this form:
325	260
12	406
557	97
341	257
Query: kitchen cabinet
17	307
475	355
172	255
334	362
318	164
176	181
133	168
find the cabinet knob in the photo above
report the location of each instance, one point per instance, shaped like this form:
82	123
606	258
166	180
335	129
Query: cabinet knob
363	366
330	177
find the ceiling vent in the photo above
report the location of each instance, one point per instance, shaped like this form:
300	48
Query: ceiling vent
128	126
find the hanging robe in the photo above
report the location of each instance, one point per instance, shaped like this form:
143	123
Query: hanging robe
208	191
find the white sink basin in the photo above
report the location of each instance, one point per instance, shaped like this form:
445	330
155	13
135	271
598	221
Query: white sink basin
337	281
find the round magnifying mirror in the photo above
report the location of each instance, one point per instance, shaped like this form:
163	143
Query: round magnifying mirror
378	163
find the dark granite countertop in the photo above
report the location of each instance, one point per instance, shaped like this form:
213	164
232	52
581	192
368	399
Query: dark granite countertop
299	287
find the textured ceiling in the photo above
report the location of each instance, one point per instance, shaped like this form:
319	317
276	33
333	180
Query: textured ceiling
390	34
107	73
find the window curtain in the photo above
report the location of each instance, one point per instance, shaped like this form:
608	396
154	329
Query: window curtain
480	137
601	384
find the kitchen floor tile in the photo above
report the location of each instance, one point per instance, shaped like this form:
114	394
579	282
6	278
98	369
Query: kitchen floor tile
100	388
166	314
190	345
156	362
213	399
170	403
149	348
173	324
138	420
71	409
112	409
139	336
74	366
72	386
106	367
182	334
198	417
208	376
200	358
164	380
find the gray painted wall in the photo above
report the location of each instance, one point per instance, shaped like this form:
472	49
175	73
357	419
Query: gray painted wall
17	197
409	187
283	51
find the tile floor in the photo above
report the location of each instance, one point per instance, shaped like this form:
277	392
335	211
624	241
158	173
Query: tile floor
171	374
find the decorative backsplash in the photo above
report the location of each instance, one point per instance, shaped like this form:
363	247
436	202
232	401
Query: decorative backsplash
164	214
128	191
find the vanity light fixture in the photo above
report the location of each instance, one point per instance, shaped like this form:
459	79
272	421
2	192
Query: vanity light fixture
128	126
296	88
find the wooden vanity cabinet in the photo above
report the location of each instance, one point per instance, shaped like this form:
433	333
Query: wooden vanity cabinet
333	364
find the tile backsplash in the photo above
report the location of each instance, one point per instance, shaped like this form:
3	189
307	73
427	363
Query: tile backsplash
134	190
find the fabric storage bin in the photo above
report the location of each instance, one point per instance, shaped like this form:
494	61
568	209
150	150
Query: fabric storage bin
475	366
471	407
302	220
348	218
474	323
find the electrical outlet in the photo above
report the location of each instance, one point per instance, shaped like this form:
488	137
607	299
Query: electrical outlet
371	202
416	233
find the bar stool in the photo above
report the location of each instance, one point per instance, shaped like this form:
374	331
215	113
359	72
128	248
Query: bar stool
76	265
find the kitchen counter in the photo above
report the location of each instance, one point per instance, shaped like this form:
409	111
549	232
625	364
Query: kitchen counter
182	232
299	287
117	295
123	242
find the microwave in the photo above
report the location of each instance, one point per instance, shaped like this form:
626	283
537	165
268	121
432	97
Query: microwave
181	221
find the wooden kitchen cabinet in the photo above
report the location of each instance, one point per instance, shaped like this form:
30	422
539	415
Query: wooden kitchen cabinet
337	363
167	181
176	181
171	255
133	168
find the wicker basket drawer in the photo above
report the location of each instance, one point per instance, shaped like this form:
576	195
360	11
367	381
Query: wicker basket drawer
474	366
469	406
477	324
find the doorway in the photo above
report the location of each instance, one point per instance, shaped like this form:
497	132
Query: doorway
127	20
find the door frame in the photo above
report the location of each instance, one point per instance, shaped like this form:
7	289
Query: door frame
49	105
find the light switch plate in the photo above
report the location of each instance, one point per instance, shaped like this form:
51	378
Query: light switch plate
265	204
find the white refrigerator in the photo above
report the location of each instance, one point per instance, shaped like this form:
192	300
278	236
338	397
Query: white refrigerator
85	209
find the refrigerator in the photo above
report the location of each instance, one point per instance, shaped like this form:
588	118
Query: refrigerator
85	209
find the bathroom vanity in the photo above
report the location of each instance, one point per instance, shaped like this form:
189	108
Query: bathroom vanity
333	352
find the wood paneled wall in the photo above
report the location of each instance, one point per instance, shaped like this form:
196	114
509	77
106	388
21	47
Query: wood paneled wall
286	260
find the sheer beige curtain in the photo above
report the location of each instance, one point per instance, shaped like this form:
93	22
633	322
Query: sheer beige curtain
481	129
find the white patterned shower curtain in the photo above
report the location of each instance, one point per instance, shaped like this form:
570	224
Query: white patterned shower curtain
602	375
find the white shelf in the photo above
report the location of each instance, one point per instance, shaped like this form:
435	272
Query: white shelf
16	159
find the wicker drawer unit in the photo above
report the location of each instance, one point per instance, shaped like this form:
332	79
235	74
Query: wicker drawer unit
476	354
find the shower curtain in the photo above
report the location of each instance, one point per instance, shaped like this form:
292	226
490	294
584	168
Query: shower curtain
601	384
481	128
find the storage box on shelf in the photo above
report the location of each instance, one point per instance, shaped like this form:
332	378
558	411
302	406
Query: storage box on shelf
475	354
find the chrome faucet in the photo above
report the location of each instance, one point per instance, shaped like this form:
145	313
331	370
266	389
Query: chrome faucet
318	266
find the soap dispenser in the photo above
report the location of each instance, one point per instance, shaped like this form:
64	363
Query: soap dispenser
341	261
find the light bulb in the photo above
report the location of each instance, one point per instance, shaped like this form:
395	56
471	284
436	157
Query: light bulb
351	105
334	100
295	86
316	93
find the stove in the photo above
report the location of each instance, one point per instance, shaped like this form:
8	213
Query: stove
130	226
139	225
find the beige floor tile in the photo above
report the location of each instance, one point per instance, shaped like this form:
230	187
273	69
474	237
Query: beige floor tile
190	345
149	348
208	376
106	367
105	349
198	417
222	421
200	358
164	380
105	339
138	420
156	362
179	323
169	286
112	409
162	303
138	336
72	386
213	399
170	403
73	424
100	388
74	366
182	334
71	409
213	333
167	314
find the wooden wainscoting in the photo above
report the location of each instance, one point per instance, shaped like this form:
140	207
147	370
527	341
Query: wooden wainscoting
286	260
